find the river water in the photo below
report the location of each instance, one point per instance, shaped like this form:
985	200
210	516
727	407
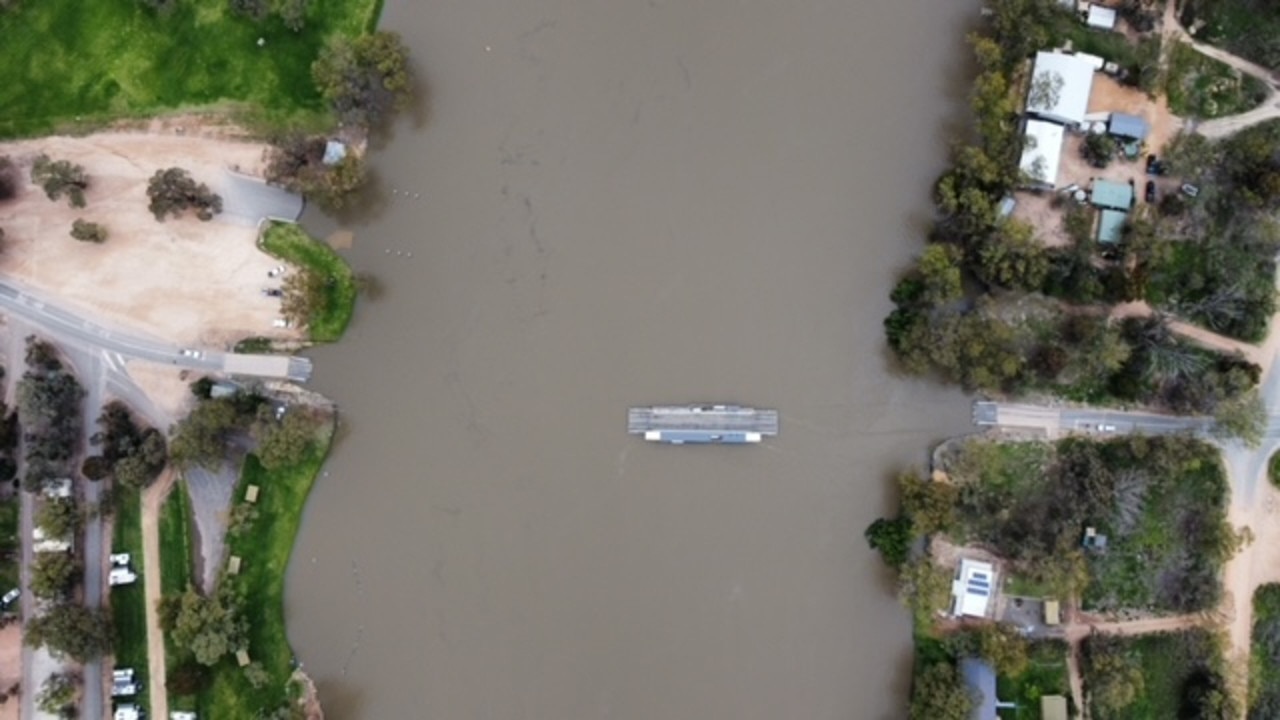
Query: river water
630	203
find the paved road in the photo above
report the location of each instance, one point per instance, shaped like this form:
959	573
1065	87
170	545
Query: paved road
66	326
1056	420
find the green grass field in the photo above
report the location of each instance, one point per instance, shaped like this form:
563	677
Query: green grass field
1169	661
1264	666
9	550
291	244
129	602
67	63
264	549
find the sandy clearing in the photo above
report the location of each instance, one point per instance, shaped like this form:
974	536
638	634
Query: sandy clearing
168	387
10	668
185	280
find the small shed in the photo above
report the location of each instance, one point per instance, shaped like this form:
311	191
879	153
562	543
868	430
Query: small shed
1053	707
242	657
1052	613
233	565
251	494
1103	18
1110	194
1128	126
1094	540
1111	226
334	152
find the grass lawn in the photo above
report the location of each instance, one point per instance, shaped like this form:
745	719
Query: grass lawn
1199	86
9	546
1264	666
1012	470
129	602
66	63
1167	662
291	244
1046	674
264	548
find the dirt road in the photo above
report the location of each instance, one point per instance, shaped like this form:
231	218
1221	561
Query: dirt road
152	500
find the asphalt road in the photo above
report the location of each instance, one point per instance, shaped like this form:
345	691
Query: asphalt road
67	326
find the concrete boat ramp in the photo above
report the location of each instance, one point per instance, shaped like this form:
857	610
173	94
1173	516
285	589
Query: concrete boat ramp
702	424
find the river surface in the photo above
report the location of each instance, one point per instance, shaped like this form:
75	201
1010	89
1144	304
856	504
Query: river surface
608	204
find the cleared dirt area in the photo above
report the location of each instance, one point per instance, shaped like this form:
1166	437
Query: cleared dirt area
168	387
1108	95
10	668
182	279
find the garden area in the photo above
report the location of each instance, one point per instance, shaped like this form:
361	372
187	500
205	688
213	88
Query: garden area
70	64
321	292
1045	673
1161	502
1264	670
129	602
1157	676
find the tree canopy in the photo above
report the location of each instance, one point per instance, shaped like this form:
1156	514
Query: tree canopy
60	177
172	192
53	574
70	630
364	78
939	693
209	627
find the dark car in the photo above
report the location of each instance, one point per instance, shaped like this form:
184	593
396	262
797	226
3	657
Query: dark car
1151	191
1154	166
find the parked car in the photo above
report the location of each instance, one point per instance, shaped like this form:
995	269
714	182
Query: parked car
121	576
1107	428
1150	194
120	559
9	597
1190	190
1154	166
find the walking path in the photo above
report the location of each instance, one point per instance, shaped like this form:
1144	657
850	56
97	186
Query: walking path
1224	126
152	500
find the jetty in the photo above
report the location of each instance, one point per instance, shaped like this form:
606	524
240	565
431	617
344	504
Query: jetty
702	424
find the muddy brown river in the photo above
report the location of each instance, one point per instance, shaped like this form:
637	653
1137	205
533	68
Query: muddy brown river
630	203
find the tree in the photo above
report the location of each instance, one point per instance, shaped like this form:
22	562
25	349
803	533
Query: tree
1013	258
923	587
256	674
134	473
160	6
70	630
209	627
8	178
364	78
1114	680
1004	647
58	695
333	187
939	693
284	442
53	574
59	517
1243	417
892	537
202	388
201	437
252	9
939	267
305	294
293	13
172	191
1098	149
930	504
60	177
95	467
88	231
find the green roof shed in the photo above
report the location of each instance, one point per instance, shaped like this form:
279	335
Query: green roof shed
1114	195
1111	226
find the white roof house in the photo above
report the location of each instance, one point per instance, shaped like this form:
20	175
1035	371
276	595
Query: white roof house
1042	152
1101	17
60	488
972	589
1060	87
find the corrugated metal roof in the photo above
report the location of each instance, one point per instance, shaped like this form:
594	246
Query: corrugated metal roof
1110	194
1053	707
980	677
1130	126
1111	226
1071	100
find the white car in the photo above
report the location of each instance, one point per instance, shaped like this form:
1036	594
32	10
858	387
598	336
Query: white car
122	674
10	597
120	559
121	576
193	354
281	323
1107	428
